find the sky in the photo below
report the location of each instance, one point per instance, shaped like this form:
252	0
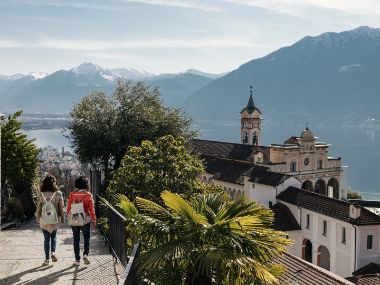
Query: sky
162	36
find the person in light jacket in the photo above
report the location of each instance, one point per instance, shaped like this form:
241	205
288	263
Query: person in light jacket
81	194
49	189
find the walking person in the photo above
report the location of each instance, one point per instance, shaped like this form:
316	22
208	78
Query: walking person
80	211
48	214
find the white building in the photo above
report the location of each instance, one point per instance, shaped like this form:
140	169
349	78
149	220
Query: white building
336	235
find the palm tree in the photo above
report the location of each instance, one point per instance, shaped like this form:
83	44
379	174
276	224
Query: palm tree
209	239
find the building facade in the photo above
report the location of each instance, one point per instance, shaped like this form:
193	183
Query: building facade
334	234
302	157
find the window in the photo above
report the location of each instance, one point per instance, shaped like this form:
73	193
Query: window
324	231
369	241
270	204
343	235
245	137
320	164
293	166
308	221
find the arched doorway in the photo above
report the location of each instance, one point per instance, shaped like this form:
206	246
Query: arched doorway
320	187
334	184
307	185
323	258
307	250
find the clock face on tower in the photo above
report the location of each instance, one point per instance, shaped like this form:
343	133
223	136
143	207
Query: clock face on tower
306	162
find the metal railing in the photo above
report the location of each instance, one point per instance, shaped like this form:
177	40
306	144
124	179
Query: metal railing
116	237
116	233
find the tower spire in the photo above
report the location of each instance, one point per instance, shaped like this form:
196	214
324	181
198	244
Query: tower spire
251	103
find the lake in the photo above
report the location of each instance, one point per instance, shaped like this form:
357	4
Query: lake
357	145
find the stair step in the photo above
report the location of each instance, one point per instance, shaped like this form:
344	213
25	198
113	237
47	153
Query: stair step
5	226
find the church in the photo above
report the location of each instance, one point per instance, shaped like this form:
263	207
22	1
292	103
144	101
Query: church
301	157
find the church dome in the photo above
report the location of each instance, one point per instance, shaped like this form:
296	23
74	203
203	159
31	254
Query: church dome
307	134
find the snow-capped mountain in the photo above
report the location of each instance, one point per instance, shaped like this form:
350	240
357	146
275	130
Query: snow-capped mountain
59	90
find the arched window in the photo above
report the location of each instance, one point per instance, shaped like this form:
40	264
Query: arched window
320	187
307	250
319	164
245	137
255	139
307	185
293	166
333	185
323	258
233	194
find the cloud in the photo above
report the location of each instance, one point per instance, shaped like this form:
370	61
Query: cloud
203	5
69	4
95	45
4	43
300	7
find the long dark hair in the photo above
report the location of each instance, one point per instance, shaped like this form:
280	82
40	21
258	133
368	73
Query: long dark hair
49	184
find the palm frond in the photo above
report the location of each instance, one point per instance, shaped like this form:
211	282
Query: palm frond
181	208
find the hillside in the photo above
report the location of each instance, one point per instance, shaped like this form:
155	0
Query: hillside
331	77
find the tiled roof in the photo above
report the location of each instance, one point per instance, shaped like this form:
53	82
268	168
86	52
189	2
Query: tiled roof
299	271
327	206
366	203
226	170
266	177
235	151
370	268
234	171
371	279
284	219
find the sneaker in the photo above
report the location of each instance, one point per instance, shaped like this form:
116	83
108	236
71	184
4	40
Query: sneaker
53	257
46	262
86	260
76	263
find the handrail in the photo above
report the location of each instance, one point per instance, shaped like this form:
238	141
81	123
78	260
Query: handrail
130	274
117	240
117	236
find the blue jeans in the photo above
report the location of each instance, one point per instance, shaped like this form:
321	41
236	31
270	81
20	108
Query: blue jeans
49	242
86	236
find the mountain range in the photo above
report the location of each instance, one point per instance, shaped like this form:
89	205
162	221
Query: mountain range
331	77
57	92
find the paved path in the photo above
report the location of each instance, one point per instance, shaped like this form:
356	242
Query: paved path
22	254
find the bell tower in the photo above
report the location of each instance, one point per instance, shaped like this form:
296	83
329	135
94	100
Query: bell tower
250	128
